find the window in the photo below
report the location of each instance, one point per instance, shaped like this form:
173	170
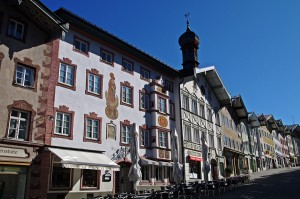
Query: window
144	101
185	102
81	46
106	56
92	129
158	173
16	29
162	104
168	85
126	134
66	74
202	112
196	136
145	173
211	140
61	177
163	139
18	124
209	114
89	179
219	140
25	76
127	95
145	138
194	106
172	110
127	66
94	83
188	132
145	74
225	141
218	119
63	123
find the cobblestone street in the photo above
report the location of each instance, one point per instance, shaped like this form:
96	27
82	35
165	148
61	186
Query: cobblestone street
274	183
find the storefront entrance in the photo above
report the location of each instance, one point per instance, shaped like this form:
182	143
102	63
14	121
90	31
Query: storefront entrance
12	182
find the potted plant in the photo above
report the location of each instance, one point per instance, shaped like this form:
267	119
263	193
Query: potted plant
228	171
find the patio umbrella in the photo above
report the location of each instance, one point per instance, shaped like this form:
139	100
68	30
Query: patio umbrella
177	167
135	170
206	166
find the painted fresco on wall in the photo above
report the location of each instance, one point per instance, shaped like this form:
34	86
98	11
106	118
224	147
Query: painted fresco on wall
112	100
111	131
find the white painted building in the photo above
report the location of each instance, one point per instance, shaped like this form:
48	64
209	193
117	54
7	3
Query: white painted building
104	85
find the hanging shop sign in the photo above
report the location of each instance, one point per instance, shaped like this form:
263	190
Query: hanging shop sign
106	177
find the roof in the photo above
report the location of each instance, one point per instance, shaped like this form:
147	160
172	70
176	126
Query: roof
271	121
212	77
253	120
239	107
104	35
39	13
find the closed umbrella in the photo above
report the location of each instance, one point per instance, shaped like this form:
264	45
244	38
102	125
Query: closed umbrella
135	170
206	167
177	167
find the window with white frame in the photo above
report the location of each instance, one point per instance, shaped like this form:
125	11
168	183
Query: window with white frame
66	74
126	134
196	136
81	45
144	101
106	56
92	128
62	123
209	114
94	84
202	112
185	102
18	124
188	132
162	104
16	29
163	139
127	94
145	138
194	106
145	74
127	65
25	76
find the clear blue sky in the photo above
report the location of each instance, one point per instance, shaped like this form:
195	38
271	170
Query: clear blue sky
254	44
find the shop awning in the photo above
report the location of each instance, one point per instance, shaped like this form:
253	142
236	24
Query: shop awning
84	160
146	162
166	164
195	158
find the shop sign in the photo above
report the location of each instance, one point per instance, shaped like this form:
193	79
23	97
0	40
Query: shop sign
162	121
13	152
12	169
106	177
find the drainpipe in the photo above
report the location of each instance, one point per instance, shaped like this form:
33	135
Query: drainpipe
180	116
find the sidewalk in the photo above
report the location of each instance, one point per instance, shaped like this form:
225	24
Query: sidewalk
261	174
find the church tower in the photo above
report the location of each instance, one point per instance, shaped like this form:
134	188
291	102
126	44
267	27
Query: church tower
189	43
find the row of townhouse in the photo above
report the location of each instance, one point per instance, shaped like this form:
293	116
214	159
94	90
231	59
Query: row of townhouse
70	93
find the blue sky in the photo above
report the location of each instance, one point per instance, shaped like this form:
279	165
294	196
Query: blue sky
255	45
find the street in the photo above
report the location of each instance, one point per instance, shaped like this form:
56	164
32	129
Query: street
275	183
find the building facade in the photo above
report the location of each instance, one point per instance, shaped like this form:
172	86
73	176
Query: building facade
28	34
